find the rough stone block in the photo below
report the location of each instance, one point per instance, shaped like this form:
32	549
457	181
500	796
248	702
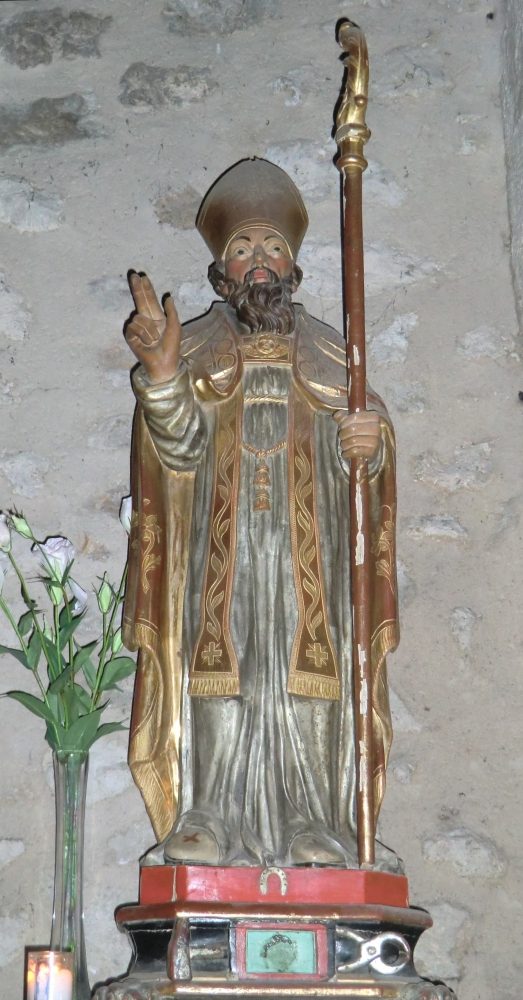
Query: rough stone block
404	72
197	293
462	621
49	121
27	208
402	720
310	166
402	768
154	86
13	934
9	850
379	186
111	292
441	949
14	317
217	17
387	268
471	467
485	342
111	433
25	472
390	347
36	36
442	526
130	844
406	585
409	398
470	855
179	209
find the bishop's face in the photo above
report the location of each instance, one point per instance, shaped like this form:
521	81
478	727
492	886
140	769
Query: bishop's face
257	250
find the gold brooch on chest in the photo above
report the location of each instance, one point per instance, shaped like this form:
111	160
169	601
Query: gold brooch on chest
266	347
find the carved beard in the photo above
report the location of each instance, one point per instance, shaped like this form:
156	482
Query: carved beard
263	305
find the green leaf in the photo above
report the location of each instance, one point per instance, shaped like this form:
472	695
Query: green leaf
106	729
26	623
83	697
61	681
34	650
65	614
57	662
83	654
116	670
57	707
75	705
81	734
50	735
17	653
67	631
90	673
34	705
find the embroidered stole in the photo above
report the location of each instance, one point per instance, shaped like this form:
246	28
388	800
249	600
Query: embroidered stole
214	668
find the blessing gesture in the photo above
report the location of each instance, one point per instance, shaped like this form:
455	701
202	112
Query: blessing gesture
154	334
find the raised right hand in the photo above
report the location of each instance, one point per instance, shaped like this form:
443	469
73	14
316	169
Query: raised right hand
154	335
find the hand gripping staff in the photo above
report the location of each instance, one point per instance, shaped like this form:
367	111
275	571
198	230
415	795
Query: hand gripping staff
351	135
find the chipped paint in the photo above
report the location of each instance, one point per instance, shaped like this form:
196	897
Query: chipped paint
360	539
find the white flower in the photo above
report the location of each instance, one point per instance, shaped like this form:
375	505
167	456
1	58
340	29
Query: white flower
54	555
5	534
80	595
126	510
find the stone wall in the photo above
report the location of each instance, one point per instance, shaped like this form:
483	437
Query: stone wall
114	119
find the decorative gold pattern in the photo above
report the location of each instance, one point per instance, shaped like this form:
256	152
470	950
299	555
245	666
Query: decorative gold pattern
262	476
151	532
384	540
313	669
214	668
266	347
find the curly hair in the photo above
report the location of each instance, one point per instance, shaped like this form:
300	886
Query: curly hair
263	305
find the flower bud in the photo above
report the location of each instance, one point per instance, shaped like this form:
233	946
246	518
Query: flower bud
80	595
117	641
55	593
47	630
126	510
5	534
21	526
105	596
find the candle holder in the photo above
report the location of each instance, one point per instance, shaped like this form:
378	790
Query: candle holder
49	975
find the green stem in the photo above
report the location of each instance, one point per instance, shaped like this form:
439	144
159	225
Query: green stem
30	604
106	634
34	670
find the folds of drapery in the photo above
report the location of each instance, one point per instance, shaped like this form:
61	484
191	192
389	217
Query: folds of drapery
153	615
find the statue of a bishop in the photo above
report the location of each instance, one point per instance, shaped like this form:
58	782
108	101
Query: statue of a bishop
242	736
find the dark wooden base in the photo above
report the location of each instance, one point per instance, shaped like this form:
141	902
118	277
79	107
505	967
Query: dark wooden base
272	933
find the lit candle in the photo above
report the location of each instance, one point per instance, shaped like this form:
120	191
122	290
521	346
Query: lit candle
49	975
61	985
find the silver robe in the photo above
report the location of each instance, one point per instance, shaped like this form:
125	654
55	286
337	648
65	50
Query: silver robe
259	768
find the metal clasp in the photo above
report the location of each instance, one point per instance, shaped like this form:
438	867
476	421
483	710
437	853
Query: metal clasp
373	952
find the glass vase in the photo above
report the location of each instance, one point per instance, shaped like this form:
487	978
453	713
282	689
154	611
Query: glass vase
70	775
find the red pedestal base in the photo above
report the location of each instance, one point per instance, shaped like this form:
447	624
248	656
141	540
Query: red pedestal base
310	886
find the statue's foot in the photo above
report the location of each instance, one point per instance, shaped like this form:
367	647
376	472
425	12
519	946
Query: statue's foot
192	844
311	849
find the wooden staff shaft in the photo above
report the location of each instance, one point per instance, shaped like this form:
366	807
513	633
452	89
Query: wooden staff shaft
359	519
351	135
